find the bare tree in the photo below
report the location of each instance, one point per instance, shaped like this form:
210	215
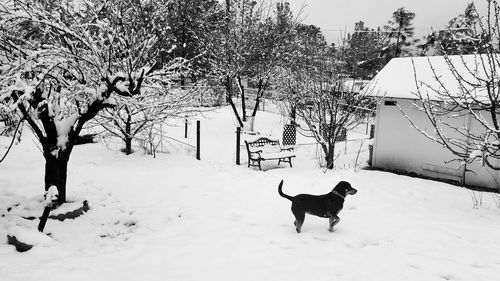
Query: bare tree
327	103
133	116
466	87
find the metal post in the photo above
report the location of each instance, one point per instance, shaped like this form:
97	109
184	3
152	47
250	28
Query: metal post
198	140
43	219
238	139
186	128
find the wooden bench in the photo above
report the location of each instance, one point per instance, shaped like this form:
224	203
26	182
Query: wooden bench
264	149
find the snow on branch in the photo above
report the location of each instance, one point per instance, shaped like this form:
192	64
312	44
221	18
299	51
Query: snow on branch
61	67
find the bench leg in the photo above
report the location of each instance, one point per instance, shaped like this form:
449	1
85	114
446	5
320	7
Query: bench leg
290	161
259	166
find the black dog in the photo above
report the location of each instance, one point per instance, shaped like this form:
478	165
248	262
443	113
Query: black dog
325	206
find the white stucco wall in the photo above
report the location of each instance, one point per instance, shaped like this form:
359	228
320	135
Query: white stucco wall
400	147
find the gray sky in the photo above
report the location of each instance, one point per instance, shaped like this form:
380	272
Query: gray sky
335	17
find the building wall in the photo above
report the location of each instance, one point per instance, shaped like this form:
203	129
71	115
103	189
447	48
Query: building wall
482	175
398	146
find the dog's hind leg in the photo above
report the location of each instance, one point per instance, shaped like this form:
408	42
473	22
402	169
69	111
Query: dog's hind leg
333	221
299	219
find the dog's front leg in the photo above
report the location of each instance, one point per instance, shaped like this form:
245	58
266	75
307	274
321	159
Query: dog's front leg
333	221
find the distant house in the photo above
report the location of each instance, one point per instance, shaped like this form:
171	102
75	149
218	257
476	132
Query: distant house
397	145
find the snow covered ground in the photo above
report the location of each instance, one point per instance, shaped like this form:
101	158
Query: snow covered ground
176	218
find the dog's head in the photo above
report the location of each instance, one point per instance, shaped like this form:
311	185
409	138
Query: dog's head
344	187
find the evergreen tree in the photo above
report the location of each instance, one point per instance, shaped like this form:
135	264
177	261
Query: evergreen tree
193	24
362	50
400	31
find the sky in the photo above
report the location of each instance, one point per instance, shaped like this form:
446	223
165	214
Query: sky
336	17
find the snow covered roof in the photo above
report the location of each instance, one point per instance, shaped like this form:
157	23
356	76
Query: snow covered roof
433	75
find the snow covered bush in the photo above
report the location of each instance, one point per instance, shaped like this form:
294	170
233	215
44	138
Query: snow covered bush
137	116
61	67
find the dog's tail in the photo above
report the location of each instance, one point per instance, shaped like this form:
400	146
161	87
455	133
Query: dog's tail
280	190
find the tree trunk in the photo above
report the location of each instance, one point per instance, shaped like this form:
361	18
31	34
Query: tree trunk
56	173
128	133
260	94
293	115
242	92
128	145
229	99
329	155
256	107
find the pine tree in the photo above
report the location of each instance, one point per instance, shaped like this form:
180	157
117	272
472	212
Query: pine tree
193	25
400	30
362	50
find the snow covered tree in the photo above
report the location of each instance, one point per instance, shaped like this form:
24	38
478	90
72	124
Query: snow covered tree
466	87
250	45
133	116
61	68
330	109
318	95
460	36
137	20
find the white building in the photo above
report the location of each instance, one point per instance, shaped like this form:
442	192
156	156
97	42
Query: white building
398	145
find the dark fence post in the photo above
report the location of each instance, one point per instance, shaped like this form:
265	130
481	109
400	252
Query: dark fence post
198	140
238	140
186	128
370	146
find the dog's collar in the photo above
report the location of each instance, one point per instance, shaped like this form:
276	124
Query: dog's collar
338	194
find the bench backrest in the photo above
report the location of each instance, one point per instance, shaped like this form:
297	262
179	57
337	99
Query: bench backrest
261	143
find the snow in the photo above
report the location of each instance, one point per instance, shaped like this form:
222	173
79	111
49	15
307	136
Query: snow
31	236
175	218
50	195
434	75
277	155
122	87
475	153
63	128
